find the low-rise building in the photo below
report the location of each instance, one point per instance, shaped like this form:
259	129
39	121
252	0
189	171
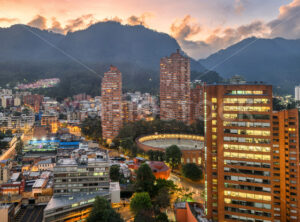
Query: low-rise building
75	207
77	182
5	167
189	212
47	164
115	192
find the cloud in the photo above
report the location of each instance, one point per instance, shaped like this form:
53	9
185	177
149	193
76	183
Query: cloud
185	28
218	39
287	24
81	22
229	36
114	19
139	20
56	26
38	22
8	20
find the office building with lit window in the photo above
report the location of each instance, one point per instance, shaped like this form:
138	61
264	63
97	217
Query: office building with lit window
77	182
111	103
239	157
175	87
286	165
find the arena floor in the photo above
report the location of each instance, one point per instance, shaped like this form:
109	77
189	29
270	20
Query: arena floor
181	143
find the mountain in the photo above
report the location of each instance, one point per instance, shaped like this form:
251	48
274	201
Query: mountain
275	61
24	43
81	57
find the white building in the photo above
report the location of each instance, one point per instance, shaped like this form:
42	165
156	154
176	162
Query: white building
17	101
297	93
115	192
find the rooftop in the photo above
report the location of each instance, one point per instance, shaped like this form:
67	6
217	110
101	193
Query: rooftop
247	83
15	176
47	161
198	211
39	183
62	201
83	160
158	166
114	186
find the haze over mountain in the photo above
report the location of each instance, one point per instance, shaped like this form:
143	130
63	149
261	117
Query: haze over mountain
102	42
30	53
274	61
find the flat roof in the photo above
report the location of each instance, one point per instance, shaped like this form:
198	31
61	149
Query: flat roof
39	183
114	186
62	201
258	83
83	160
15	176
45	174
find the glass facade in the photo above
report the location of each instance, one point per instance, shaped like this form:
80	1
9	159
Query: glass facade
239	141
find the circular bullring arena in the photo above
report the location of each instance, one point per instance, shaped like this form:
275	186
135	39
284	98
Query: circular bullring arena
191	146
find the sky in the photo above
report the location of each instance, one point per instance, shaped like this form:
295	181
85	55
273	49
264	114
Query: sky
201	27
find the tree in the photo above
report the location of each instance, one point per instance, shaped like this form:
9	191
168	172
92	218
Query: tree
8	133
162	217
145	179
198	127
150	154
161	156
162	192
277	105
127	144
114	173
192	171
184	194
162	183
162	199
91	128
173	156
19	146
139	202
3	145
102	212
144	216
134	150
156	155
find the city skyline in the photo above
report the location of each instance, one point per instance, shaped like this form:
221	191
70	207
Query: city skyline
141	110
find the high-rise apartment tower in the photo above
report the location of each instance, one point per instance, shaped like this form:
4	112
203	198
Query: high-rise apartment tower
175	87
111	103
